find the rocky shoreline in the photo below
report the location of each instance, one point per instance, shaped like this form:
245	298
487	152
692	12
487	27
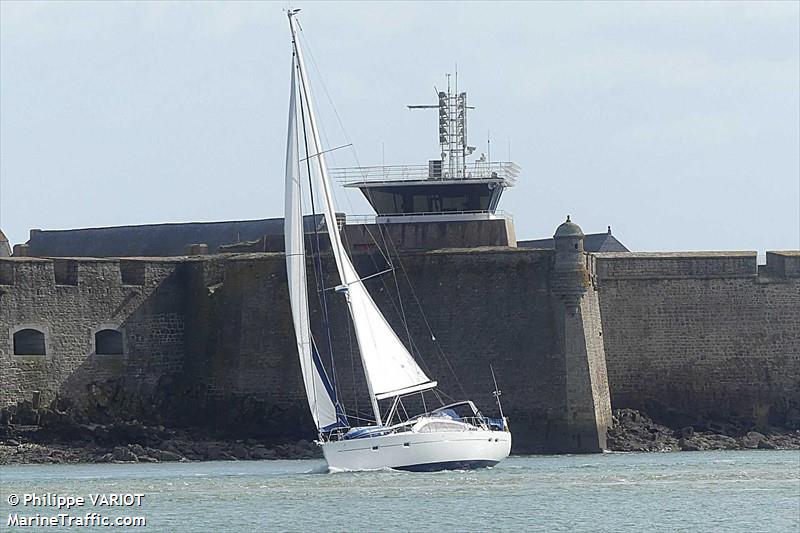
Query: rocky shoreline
133	442
633	431
136	443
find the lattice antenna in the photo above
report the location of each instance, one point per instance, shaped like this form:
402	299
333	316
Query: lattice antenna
452	108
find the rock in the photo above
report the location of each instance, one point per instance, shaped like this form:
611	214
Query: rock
765	444
168	456
751	439
687	445
137	449
634	431
124	455
12	442
687	432
147	459
240	451
721	442
262	453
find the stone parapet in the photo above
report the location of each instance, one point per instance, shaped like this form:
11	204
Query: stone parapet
785	264
671	265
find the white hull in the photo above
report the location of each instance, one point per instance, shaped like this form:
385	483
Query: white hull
413	451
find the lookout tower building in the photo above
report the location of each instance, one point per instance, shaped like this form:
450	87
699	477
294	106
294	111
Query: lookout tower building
449	188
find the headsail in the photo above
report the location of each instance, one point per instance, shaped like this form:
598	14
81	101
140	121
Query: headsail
318	389
389	367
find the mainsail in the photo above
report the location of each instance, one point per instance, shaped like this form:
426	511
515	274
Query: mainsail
389	367
318	388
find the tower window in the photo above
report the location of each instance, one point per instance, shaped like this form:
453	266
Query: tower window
29	342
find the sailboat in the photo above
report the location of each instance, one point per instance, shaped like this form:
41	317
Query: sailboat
453	436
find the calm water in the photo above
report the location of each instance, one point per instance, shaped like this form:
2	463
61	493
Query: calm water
703	491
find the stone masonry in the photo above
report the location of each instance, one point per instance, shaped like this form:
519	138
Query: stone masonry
208	339
703	335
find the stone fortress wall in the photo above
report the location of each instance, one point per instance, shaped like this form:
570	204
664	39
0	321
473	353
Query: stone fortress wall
208	340
69	300
703	335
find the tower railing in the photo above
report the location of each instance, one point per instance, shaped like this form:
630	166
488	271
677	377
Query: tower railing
505	171
375	219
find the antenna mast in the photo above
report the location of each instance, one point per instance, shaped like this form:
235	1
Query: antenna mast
452	108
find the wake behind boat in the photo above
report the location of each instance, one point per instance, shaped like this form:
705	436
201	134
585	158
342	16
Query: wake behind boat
452	436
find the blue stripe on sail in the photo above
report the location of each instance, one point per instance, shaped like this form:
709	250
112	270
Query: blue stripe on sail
342	419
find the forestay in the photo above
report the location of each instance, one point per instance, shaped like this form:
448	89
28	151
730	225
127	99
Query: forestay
316	383
389	367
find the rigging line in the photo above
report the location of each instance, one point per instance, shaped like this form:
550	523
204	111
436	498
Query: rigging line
438	397
402	310
311	336
321	279
427	324
321	127
354	417
372	237
326	151
347	138
381	232
450	398
352	360
382	272
413	348
412	344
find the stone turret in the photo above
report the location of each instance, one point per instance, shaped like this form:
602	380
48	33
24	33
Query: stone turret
577	316
570	276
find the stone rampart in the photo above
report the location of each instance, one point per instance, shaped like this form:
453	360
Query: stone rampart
208	340
489	306
703	335
71	300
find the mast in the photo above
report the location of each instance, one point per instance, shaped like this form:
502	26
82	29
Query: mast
325	410
333	230
389	367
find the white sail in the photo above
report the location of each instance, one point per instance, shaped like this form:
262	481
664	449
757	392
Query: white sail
319	400
389	367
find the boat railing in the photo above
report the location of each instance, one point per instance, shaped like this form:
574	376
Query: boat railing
477	421
505	171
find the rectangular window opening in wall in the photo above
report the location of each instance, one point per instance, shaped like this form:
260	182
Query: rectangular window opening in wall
132	272
6	273
66	271
29	341
108	342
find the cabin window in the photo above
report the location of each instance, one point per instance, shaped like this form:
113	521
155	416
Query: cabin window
29	342
108	342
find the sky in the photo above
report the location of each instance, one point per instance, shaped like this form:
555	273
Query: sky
678	124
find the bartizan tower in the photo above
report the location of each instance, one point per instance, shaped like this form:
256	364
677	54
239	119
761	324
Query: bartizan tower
580	341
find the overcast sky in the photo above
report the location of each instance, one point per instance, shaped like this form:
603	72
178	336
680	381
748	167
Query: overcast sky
676	123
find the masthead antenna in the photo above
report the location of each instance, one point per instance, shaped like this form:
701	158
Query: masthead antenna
497	393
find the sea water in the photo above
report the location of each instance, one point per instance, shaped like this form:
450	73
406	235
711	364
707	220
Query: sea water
701	491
